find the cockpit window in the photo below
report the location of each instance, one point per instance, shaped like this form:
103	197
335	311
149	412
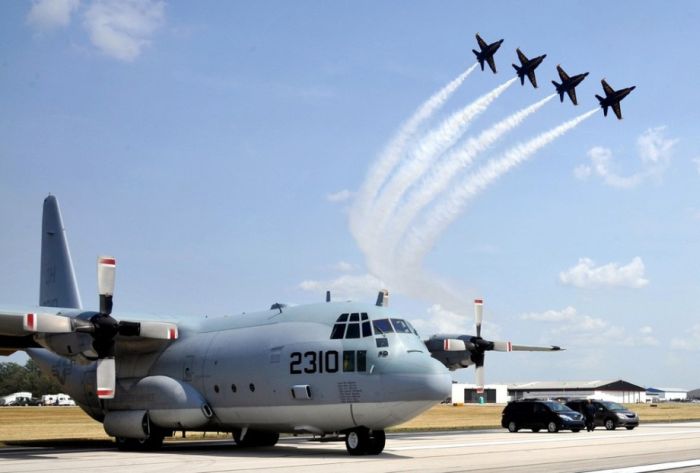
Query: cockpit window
401	326
382	326
353	331
349	326
413	329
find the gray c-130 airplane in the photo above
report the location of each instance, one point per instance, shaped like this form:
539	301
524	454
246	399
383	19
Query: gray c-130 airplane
337	370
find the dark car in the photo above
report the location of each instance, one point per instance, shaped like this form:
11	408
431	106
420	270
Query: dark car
537	415
608	414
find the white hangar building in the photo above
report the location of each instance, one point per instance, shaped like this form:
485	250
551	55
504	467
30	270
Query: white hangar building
606	390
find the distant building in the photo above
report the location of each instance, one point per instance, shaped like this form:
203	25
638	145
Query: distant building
607	390
667	394
466	394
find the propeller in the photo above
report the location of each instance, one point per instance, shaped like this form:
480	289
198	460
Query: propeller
102	327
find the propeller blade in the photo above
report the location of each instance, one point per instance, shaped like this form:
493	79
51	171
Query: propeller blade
502	346
479	378
106	374
536	348
478	315
47	323
161	330
106	266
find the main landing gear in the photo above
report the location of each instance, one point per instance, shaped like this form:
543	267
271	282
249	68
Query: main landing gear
362	441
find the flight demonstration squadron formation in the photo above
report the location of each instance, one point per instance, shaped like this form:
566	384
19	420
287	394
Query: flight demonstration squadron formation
568	84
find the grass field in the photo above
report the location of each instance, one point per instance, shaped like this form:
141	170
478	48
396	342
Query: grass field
31	424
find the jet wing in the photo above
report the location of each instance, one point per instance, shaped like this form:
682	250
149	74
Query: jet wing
492	63
617	110
572	95
608	90
482	43
522	57
562	75
533	79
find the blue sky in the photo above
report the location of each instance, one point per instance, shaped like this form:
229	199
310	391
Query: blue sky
218	149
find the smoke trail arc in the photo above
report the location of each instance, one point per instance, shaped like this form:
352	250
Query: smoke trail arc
393	152
439	179
423	238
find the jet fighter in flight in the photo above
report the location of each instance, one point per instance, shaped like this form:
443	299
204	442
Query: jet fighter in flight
487	52
527	67
568	84
613	98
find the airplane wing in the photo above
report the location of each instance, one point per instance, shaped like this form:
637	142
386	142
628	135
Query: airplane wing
533	79
521	56
572	95
608	90
482	43
562	75
618	111
492	64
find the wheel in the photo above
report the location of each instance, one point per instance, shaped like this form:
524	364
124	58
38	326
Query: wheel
630	427
154	442
377	440
357	441
255	438
552	427
610	424
536	429
512	426
576	430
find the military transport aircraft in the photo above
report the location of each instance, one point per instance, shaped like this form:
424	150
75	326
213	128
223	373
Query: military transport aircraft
527	67
568	84
613	98
487	52
337	370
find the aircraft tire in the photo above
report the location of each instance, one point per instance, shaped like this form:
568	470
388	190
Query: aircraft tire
154	442
256	438
357	441
377	440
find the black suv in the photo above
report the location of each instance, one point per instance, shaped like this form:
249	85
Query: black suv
537	415
608	414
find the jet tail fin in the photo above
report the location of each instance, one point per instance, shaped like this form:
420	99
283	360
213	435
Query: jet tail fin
519	71
58	286
559	91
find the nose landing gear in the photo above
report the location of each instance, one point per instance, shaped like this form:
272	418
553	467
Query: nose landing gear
362	441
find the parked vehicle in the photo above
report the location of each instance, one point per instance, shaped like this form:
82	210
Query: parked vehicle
537	415
608	414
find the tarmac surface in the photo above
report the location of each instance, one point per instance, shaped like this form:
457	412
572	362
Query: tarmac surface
651	447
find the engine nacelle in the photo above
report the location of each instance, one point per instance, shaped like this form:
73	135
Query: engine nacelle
169	403
128	424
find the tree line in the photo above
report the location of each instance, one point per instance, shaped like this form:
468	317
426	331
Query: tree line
15	378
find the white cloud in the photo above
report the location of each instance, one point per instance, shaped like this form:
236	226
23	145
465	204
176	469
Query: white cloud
585	274
344	267
122	28
50	14
348	286
654	152
570	328
340	196
441	320
691	343
582	172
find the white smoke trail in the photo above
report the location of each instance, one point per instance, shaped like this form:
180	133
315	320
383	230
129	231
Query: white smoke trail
422	239
393	153
439	179
430	148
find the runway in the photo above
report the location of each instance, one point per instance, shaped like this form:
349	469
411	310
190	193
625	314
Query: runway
651	447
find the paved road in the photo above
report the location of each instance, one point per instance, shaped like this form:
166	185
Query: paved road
482	451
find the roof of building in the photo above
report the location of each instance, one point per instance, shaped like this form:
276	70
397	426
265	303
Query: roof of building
666	390
601	385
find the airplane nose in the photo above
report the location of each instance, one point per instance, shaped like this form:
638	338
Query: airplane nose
428	380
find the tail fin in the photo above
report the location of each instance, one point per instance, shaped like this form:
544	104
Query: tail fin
58	287
561	92
605	108
479	58
519	71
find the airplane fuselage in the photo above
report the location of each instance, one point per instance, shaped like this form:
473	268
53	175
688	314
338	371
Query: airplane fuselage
275	370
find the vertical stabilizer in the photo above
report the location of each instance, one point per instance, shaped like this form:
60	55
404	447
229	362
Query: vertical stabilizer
58	287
